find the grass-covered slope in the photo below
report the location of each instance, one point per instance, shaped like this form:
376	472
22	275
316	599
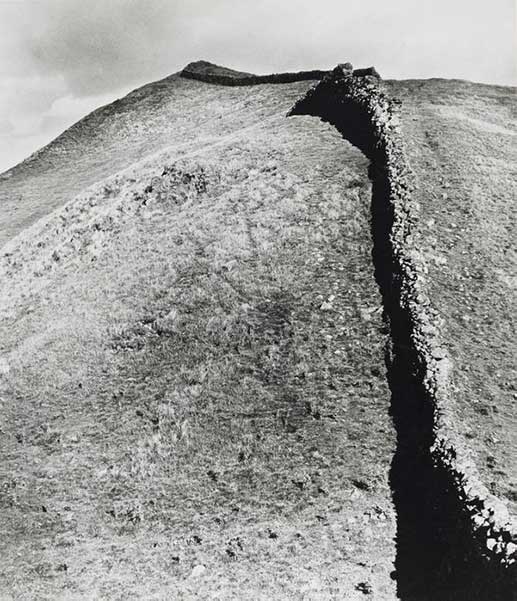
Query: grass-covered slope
439	494
191	349
192	383
462	145
177	114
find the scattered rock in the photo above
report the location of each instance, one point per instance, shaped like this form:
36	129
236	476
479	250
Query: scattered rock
367	72
4	367
346	68
361	484
364	587
198	571
233	547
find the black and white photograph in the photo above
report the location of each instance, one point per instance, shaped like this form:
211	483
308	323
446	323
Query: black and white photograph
258	300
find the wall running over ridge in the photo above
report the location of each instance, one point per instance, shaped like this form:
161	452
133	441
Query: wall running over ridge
251	80
210	73
478	535
361	111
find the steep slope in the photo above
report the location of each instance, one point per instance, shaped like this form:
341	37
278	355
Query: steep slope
456	540
192	376
174	113
462	144
208	417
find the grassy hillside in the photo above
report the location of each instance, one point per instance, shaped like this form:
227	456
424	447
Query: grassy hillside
191	342
462	144
192	379
176	114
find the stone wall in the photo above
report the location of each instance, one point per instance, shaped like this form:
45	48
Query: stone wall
228	78
210	73
474	539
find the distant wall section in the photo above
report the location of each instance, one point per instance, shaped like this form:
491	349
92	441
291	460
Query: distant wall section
214	74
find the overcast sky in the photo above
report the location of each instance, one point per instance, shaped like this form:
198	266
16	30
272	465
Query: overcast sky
60	59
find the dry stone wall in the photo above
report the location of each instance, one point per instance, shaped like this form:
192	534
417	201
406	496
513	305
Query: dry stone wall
485	536
475	538
210	73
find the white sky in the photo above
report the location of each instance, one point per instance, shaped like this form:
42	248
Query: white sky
60	59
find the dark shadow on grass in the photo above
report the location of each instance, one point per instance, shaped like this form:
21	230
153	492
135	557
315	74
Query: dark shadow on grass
438	558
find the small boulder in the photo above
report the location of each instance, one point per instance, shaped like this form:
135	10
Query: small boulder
367	72
344	69
4	367
198	571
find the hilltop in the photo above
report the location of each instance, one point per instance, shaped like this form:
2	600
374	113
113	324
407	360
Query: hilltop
192	368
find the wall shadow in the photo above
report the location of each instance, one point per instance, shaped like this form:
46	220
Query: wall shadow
438	557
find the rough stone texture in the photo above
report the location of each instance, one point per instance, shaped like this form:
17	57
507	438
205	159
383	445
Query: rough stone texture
209	73
361	110
346	68
460	139
367	72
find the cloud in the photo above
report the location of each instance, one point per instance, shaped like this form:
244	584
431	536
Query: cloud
98	46
6	127
35	111
101	45
59	57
